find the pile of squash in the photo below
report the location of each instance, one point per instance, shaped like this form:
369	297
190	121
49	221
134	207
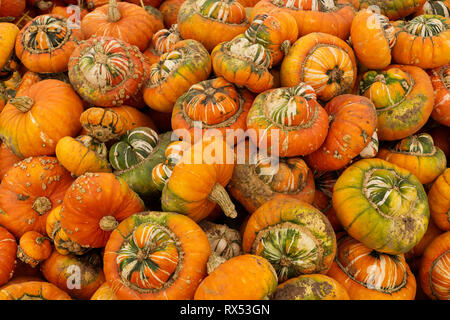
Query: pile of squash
225	149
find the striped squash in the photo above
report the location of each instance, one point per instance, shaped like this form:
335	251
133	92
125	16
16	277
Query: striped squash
134	146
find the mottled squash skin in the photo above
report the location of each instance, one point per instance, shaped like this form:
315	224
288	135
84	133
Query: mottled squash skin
382	205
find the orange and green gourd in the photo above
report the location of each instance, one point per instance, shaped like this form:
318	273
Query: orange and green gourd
173	154
295	237
243	63
275	30
82	154
59	270
423	41
310	287
156	256
45	44
103	124
325	62
394	9
211	21
34	248
176	71
327	16
440	79
106	71
403	97
372	38
247	277
33	290
437	7
419	155
211	106
295	118
134	146
258	180
135	156
382	205
367	274
209	162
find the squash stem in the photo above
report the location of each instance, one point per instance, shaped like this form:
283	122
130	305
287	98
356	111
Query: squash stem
113	11
22	103
108	223
220	196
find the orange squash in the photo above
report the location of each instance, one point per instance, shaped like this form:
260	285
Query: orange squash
247	277
353	121
79	276
32	123
45	44
34	248
439	200
370	275
214	105
125	21
325	62
102	200
156	256
417	154
8	249
212	21
261	178
423	42
295	237
440	79
329	17
434	269
29	190
310	287
33	290
209	162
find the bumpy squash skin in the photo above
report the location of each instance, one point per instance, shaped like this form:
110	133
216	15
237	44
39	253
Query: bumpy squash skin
409	115
386	221
310	287
139	176
209	32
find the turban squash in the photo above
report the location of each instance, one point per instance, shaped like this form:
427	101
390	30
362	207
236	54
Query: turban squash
418	155
156	256
325	62
288	121
367	274
93	207
211	21
434	268
212	106
423	41
327	16
176	71
295	237
8	250
403	97
45	44
440	79
106	71
29	190
247	276
381	205
33	290
439	200
210	163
